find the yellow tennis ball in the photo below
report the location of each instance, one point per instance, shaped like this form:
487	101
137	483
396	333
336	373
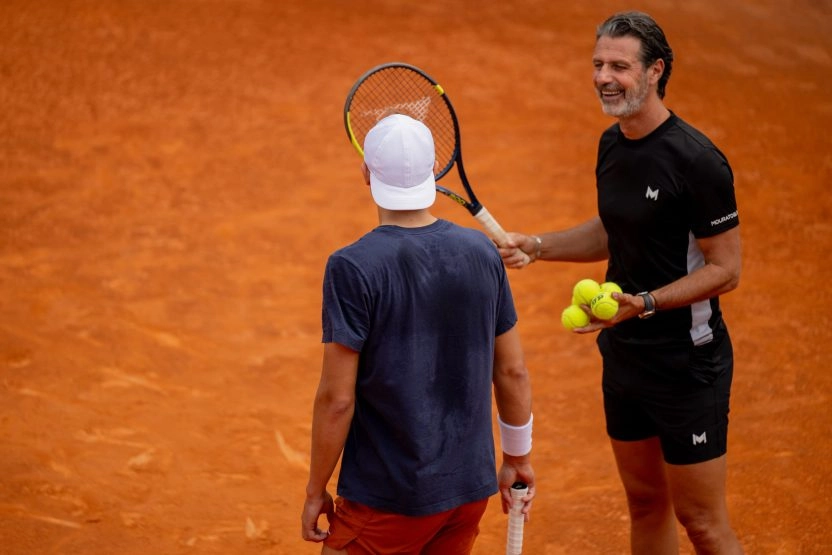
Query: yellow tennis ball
611	287
573	317
603	306
584	291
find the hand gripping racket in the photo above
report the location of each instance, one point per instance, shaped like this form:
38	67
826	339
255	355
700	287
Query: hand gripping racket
516	519
397	88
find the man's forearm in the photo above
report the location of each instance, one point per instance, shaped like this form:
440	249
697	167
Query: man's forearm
330	425
586	242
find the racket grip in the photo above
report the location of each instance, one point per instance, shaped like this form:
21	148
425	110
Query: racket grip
494	229
516	519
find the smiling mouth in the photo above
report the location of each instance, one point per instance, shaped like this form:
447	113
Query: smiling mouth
611	94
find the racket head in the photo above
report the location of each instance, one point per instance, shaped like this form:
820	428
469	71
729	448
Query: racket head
405	89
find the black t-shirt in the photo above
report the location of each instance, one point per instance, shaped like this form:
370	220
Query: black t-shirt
656	196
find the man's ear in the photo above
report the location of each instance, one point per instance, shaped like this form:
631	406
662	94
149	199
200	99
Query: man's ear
366	172
656	70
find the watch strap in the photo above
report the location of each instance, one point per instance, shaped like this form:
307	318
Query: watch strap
649	304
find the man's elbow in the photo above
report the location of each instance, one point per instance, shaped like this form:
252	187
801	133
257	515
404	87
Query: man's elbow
733	280
734	283
726	276
515	371
334	405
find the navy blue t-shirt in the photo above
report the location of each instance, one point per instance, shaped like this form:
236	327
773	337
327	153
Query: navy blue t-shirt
422	306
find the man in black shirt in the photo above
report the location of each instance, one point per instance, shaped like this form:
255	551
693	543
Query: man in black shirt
668	226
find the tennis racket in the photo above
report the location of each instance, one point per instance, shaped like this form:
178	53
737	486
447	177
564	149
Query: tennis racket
516	519
398	88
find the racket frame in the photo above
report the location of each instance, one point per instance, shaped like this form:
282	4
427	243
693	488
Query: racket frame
472	204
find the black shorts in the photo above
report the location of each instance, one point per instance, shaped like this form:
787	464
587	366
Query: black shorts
678	394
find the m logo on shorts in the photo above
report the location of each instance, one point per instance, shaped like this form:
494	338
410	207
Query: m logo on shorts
702	438
651	194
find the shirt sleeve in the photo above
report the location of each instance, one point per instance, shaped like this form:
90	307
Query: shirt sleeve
346	304
506	312
714	204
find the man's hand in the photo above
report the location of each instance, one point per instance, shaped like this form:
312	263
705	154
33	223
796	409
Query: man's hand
519	252
313	508
629	306
516	469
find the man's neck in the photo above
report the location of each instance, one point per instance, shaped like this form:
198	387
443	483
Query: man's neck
405	218
647	120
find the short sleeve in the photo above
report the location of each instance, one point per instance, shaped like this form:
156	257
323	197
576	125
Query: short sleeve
714	204
506	312
346	304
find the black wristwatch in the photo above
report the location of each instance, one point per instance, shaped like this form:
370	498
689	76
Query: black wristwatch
649	305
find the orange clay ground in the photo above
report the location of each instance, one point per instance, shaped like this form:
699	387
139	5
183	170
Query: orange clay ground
174	174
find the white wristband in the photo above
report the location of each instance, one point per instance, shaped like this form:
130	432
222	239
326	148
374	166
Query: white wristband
516	440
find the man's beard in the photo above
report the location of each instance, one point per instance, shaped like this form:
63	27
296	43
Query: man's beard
632	102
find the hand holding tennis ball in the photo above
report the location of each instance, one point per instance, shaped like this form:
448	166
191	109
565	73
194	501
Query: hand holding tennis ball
611	287
584	291
598	297
603	306
573	316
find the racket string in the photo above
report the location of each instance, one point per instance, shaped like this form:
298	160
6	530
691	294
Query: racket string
401	90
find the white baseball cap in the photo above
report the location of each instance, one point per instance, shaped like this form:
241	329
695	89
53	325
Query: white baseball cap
400	155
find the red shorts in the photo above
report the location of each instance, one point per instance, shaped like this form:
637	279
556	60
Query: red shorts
362	530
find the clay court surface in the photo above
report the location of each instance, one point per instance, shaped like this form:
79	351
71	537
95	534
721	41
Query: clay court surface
174	174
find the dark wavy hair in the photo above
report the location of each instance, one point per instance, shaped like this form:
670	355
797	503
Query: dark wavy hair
654	45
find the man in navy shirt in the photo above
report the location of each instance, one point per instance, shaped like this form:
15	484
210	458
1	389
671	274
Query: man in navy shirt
668	226
418	326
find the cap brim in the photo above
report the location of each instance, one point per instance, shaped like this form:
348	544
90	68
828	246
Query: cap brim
417	197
